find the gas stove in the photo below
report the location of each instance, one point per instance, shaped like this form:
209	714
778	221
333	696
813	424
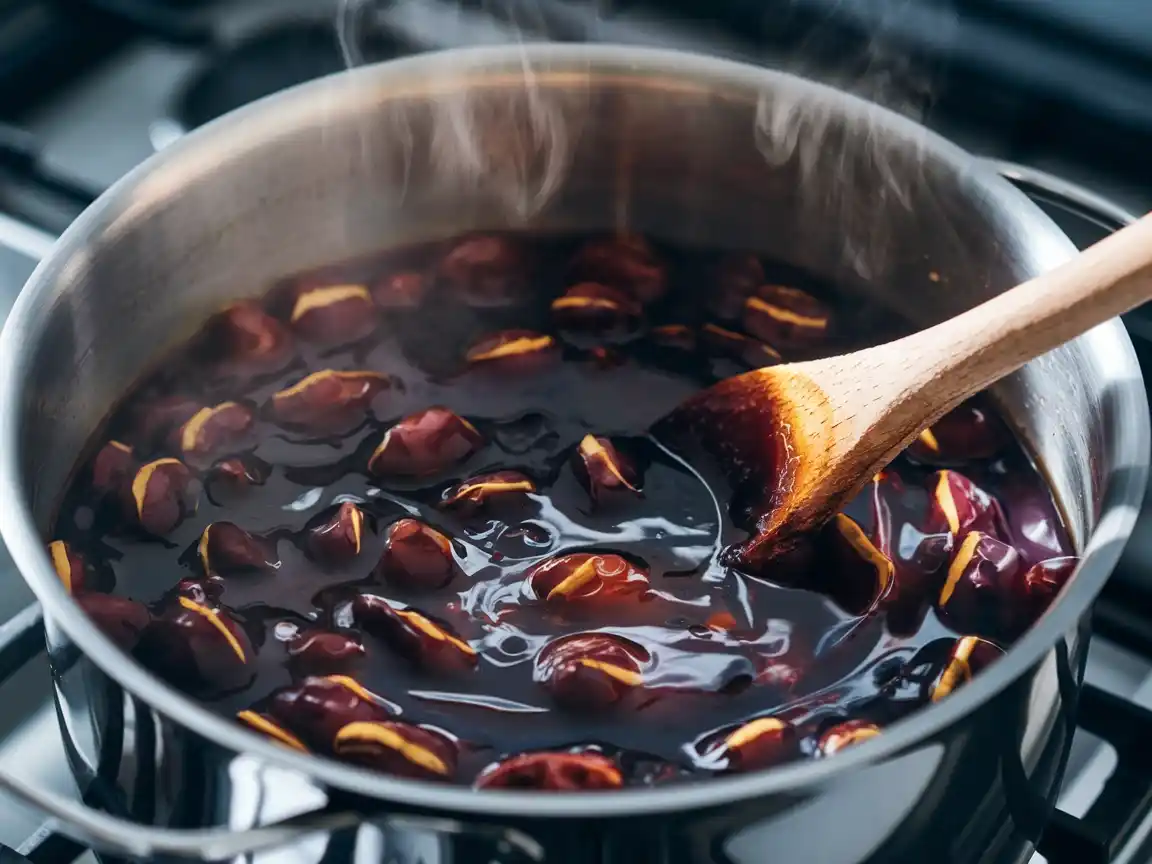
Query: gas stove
116	80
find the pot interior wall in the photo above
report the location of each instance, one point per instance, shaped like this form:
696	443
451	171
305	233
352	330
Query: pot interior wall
685	150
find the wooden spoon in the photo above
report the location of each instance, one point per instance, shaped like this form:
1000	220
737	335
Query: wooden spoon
807	436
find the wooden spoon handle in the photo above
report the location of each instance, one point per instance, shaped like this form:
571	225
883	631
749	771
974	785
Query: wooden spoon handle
982	345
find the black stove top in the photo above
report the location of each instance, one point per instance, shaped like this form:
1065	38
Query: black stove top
89	88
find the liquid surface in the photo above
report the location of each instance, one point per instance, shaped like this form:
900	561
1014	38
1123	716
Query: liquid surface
573	624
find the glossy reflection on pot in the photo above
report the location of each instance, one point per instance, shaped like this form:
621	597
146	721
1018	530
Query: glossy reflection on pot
468	560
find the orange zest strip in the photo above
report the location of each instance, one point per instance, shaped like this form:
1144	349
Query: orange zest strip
947	502
859	541
190	434
511	348
724	333
317	377
608	772
593	450
584	303
353	685
318	298
468	490
415	619
263	724
359	736
786	316
624	676
958	671
357	526
956	568
59	552
749	732
382	446
576	580
202	548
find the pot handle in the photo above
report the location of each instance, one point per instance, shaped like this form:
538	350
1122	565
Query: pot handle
1069	196
145	842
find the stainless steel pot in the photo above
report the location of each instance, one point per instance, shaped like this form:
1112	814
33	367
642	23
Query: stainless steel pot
687	148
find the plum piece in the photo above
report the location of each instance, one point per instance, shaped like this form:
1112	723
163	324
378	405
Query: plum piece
786	317
333	314
427	644
514	351
335	540
584	576
317	708
403	749
590	671
328	401
424	443
557	772
416	557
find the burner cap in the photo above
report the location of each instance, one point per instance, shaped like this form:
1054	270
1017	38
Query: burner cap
275	58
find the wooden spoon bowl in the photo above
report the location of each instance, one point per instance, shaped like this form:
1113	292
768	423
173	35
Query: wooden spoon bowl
800	439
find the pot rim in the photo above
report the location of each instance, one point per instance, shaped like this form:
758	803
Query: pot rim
1120	504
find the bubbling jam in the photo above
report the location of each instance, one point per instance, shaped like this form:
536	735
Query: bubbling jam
409	513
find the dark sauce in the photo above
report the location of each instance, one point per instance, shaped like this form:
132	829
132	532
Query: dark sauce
729	670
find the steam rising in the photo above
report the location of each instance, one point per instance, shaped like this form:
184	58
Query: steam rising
853	168
515	147
511	146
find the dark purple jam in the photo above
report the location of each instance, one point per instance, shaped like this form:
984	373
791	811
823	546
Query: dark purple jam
409	513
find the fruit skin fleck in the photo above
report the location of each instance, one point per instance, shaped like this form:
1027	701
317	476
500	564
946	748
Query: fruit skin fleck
958	506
